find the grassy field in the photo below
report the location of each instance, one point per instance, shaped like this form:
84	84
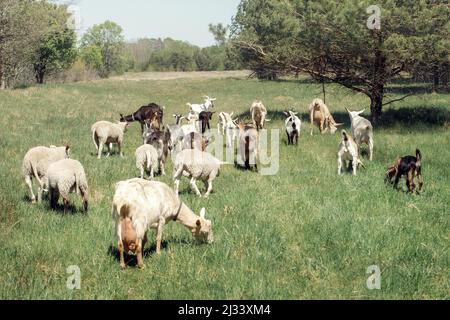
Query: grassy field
304	233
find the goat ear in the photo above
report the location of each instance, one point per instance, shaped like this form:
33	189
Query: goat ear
362	111
286	113
202	213
347	110
338	124
231	114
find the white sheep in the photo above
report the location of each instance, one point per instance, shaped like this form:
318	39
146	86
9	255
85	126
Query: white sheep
139	205
259	113
197	165
348	151
146	160
66	176
362	130
35	164
105	132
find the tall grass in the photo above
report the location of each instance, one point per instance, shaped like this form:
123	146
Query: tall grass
304	233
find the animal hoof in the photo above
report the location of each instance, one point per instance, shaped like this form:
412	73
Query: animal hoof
122	267
141	267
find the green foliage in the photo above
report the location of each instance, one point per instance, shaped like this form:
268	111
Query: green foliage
92	56
108	38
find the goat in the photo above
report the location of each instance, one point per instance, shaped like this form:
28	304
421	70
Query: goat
151	112
362	130
348	151
408	166
321	116
258	112
204	117
248	146
162	143
227	126
139	205
292	125
197	108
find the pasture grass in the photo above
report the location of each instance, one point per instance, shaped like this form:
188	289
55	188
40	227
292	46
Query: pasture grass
304	233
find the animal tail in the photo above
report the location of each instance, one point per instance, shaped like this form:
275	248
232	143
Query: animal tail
77	184
35	173
93	138
148	156
344	135
418	155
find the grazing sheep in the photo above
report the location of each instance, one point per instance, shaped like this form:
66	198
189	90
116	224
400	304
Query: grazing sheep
248	146
197	165
362	130
139	205
197	108
321	116
259	113
348	151
105	132
146	159
228	127
66	176
194	140
160	140
35	164
292	125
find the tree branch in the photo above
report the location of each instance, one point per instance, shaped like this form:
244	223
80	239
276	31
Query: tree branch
399	99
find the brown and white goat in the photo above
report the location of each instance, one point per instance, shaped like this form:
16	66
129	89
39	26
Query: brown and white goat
321	116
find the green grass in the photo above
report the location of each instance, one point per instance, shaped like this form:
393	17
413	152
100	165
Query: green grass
304	233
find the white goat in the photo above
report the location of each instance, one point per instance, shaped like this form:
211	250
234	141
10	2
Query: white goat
139	205
292	125
197	108
259	113
362	130
227	126
348	151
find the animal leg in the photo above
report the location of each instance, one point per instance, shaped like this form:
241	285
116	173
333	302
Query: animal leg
140	261
30	187
354	165
121	254
100	149
54	197
120	149
339	165
194	187
209	188
66	203
162	169
370	149
177	177
159	234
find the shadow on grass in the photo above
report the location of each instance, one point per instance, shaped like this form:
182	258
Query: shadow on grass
407	116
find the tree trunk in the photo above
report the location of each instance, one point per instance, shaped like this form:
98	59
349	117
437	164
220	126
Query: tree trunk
436	77
376	103
39	71
324	93
445	75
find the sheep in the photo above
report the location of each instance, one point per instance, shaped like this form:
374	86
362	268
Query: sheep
348	151
64	177
248	146
320	115
197	165
36	162
105	132
258	112
160	140
362	130
194	140
292	125
228	127
146	160
197	108
139	205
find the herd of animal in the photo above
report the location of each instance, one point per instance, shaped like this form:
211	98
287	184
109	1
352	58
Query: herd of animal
140	204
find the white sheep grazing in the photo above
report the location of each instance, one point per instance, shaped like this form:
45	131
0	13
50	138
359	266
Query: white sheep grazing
197	108
197	165
35	164
139	205
320	115
259	113
66	176
105	132
228	127
146	160
292	125
348	151
362	130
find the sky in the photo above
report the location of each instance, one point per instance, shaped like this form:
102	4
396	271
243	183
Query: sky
178	19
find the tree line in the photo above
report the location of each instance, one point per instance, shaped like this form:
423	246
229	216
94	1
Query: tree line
352	43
